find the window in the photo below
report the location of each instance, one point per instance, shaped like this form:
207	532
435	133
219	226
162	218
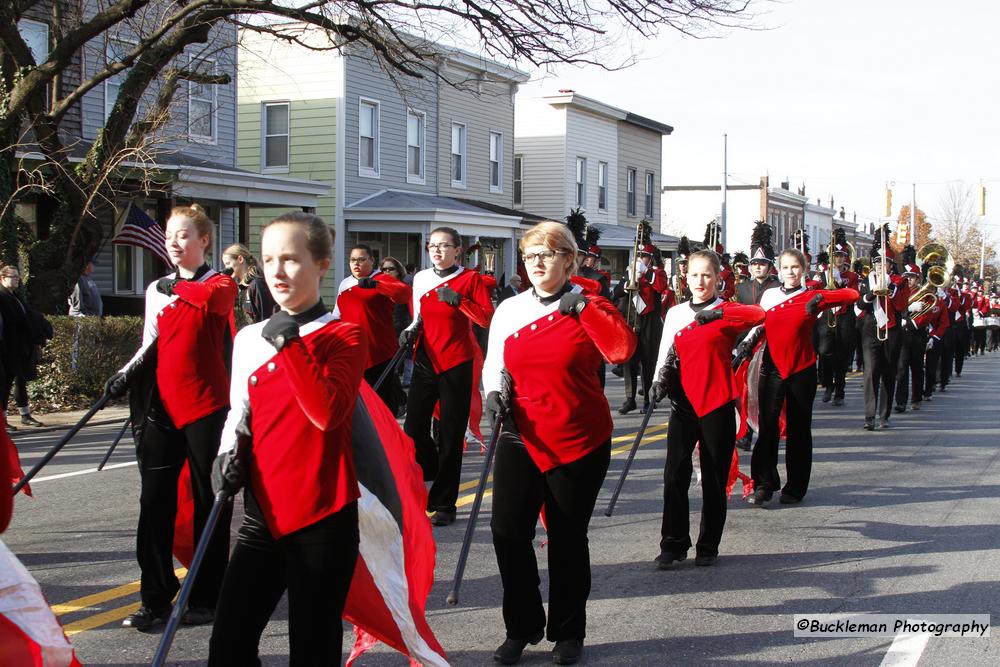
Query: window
36	36
630	177
496	162
414	147
276	136
135	267
202	103
602	186
368	148
518	180
649	194
581	182
115	51
457	155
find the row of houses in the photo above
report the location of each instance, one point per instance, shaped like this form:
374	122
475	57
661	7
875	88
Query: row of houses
383	158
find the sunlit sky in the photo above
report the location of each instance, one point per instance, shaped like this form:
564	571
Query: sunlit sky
843	96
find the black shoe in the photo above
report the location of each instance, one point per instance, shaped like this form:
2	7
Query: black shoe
705	561
567	651
761	497
641	392
443	518
28	420
617	371
900	408
510	651
627	407
883	422
144	618
869	424
943	388
788	499
744	443
667	560
928	397
838	400
828	394
198	616
915	406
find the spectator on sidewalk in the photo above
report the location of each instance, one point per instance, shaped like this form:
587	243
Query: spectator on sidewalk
24	331
86	298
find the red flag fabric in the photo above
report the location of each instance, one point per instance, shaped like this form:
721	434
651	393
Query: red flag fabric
395	569
184	520
10	468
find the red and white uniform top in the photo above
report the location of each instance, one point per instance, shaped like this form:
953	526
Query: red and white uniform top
559	406
301	406
371	309
192	329
788	327
706	350
652	283
935	321
727	284
446	335
899	295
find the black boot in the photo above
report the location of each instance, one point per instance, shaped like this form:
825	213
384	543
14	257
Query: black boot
510	651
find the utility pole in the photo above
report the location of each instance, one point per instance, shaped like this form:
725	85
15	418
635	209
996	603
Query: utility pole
725	179
982	230
913	216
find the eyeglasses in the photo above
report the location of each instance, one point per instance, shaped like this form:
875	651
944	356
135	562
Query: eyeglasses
547	256
359	260
440	246
389	268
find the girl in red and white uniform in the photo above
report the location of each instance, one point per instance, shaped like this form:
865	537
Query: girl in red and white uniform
295	380
788	377
698	336
189	322
447	300
368	297
556	441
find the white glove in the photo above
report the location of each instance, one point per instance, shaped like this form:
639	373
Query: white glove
915	307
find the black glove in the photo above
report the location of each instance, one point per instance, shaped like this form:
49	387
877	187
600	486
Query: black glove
497	405
367	283
166	285
813	304
407	337
228	271
667	378
227	473
707	315
572	304
449	296
116	386
743	349
280	329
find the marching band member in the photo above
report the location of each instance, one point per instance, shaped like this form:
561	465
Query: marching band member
914	340
937	322
837	342
881	357
295	380
980	311
188	336
699	335
368	298
556	441
680	288
961	321
788	378
447	300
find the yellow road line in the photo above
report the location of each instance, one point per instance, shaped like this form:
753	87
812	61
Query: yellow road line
95	599
97	620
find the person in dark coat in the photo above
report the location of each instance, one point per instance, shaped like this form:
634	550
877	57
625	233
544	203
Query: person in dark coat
24	331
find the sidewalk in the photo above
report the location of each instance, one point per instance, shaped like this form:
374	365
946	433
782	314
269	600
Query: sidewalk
55	421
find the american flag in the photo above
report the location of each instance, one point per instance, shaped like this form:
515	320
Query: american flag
141	230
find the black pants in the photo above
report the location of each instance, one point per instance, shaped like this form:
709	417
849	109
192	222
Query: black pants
961	344
858	353
716	433
442	462
568	493
314	564
932	364
644	358
881	361
910	370
979	340
390	390
161	454
947	356
17	385
796	394
835	351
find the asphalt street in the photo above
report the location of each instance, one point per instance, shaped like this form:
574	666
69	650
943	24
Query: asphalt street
899	521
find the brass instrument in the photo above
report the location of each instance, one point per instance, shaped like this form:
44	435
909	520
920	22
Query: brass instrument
678	289
831	283
939	275
632	286
881	290
489	259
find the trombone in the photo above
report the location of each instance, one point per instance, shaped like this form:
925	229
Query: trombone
632	286
881	290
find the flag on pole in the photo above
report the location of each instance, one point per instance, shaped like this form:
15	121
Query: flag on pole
141	230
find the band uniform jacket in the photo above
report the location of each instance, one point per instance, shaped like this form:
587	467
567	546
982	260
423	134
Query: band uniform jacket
446	332
750	291
899	294
192	330
705	351
559	406
301	406
372	310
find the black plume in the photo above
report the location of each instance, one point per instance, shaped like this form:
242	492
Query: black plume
577	223
908	255
645	233
823	258
593	235
684	247
876	249
741	258
840	236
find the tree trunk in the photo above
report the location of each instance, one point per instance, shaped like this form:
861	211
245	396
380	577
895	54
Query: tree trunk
54	265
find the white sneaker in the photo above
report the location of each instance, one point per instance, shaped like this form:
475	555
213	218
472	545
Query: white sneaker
471	440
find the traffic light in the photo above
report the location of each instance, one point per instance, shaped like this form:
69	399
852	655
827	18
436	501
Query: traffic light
888	202
982	200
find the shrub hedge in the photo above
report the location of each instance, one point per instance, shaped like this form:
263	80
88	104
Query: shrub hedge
82	355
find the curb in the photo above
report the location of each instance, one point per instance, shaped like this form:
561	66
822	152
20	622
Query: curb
60	427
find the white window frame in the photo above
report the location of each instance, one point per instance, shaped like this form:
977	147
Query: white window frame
375	170
602	186
213	100
116	80
518	181
498	154
580	182
631	176
264	167
140	256
649	205
463	140
420	178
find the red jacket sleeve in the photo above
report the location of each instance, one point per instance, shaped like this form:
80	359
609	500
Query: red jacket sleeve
608	329
396	290
476	303
741	317
832	298
325	388
216	296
